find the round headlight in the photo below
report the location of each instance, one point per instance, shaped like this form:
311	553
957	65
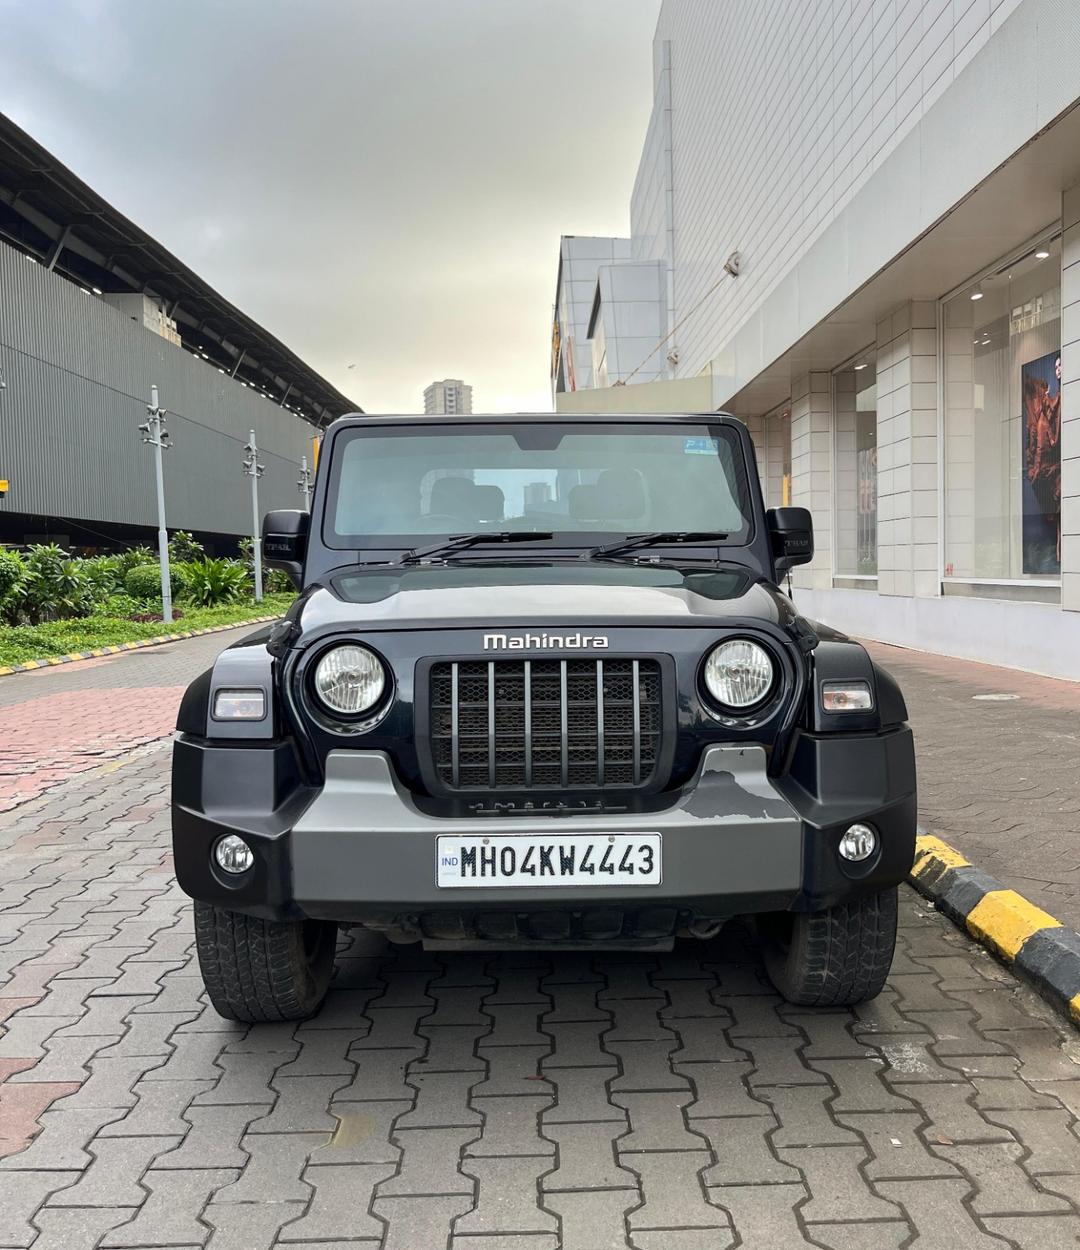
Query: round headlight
739	673
349	680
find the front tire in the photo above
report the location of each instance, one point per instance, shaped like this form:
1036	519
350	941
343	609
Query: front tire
263	970
832	958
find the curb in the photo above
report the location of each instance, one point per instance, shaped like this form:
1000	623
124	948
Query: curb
73	657
1028	939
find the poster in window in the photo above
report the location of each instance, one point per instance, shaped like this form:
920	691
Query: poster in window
1040	429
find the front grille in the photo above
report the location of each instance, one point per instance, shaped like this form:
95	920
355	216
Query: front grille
545	724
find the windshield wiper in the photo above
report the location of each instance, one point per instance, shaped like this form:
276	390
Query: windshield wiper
460	541
659	539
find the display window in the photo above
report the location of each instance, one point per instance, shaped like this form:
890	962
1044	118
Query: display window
1002	422
855	407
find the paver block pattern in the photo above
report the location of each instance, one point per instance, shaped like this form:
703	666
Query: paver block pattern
518	1101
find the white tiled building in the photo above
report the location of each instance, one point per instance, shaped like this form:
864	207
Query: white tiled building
449	395
897	185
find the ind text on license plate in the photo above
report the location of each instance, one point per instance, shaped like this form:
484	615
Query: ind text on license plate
529	860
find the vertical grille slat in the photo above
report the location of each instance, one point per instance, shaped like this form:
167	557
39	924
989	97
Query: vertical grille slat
564	711
491	723
600	723
454	734
528	724
637	726
545	725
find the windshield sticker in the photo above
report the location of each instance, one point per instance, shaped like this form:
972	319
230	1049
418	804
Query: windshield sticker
701	446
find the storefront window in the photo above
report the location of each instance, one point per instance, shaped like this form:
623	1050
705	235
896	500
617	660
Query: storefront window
1003	423
855	398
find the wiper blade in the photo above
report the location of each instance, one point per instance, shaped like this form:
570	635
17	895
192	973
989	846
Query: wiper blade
460	541
659	539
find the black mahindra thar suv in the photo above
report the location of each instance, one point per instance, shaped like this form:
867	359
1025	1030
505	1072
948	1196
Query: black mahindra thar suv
540	687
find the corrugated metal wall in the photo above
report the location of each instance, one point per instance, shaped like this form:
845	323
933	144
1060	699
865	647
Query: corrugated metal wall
78	376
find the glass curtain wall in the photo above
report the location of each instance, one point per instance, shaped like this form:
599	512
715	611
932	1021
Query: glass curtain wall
1003	423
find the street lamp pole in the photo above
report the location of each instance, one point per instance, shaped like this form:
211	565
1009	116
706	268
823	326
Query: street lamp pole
304	483
255	470
154	433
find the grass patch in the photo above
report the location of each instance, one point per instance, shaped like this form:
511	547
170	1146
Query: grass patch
36	642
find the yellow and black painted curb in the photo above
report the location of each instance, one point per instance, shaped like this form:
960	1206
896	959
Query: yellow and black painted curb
73	657
1030	940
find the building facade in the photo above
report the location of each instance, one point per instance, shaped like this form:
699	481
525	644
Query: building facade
864	222
449	395
93	312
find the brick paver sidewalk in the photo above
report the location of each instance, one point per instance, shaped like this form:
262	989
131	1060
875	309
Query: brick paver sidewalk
999	777
516	1102
55	722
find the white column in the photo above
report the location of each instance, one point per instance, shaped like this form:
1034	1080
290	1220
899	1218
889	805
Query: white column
811	471
756	426
1070	401
907	409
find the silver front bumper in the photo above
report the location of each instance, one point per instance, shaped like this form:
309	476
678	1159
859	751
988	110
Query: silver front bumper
731	835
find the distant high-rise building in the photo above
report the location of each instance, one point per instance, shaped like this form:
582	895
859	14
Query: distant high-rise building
449	395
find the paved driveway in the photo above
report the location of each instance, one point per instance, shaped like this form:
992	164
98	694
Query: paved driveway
515	1102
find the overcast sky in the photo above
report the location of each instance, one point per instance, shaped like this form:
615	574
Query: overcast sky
380	183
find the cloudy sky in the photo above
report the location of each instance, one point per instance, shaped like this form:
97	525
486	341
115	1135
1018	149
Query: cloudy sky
381	183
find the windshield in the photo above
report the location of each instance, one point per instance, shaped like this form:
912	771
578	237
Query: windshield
391	485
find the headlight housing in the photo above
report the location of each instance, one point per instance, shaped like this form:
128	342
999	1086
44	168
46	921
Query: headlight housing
349	680
739	673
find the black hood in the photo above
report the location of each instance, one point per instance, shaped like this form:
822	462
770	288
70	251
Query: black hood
568	593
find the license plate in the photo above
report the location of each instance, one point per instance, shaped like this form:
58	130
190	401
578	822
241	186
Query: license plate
573	859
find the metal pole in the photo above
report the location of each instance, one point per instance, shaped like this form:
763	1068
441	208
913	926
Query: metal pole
154	434
304	483
254	470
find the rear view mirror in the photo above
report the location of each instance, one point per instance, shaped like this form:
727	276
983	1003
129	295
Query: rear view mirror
284	541
791	536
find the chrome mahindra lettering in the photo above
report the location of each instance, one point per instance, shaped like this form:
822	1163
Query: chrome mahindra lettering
545	642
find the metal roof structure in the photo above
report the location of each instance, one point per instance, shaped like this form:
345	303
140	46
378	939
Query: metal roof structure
49	213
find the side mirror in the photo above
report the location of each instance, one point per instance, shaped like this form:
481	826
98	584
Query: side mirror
284	541
791	536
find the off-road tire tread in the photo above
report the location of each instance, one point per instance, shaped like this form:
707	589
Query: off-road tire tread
256	970
837	957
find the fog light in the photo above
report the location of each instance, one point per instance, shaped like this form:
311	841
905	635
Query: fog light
858	843
233	854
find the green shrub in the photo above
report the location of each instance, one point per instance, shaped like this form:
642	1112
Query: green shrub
211	582
11	571
105	576
183	549
132	558
144	582
276	582
247	558
54	585
180	574
121	606
12	585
